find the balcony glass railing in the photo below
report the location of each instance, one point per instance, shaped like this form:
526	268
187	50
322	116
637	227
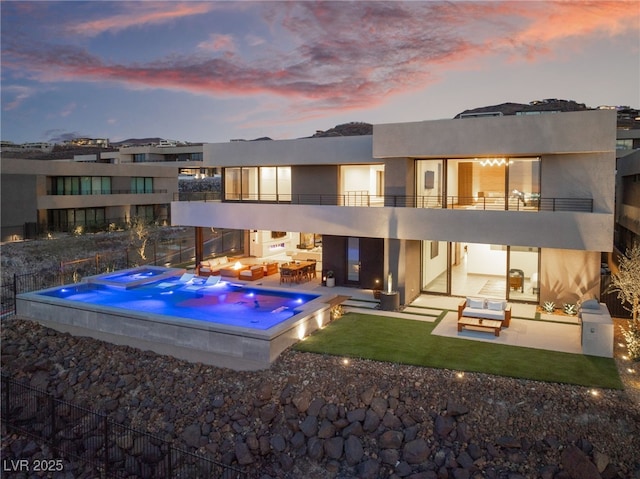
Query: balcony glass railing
398	201
107	192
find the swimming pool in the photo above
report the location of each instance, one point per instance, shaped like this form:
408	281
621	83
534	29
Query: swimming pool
229	324
223	303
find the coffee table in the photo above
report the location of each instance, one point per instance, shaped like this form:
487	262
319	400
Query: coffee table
481	324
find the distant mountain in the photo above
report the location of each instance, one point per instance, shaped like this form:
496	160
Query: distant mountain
548	105
346	129
60	152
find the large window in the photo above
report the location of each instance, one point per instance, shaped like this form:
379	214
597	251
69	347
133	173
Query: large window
145	212
67	220
141	185
524	183
362	185
474	269
479	183
267	183
81	185
429	183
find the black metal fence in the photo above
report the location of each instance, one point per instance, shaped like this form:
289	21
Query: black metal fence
92	438
24	283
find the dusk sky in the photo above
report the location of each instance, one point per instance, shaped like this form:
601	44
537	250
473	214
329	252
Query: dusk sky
214	71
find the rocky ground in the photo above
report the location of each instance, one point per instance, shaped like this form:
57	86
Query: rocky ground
313	416
45	255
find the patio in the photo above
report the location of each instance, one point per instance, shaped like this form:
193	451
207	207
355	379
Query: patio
551	333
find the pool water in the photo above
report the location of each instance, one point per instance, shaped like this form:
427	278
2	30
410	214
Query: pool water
223	303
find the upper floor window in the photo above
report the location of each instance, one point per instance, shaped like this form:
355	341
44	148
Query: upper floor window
81	185
624	144
139	157
479	183
266	183
141	185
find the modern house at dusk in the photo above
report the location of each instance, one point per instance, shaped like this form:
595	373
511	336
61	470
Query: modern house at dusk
518	204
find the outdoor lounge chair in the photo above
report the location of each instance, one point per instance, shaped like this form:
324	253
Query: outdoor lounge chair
186	278
212	280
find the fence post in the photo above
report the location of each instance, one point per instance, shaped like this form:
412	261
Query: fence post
106	445
5	392
169	471
15	293
52	415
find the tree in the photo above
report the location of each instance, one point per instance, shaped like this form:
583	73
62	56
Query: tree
626	282
139	232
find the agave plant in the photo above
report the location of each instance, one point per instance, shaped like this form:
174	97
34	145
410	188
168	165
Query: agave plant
549	306
570	309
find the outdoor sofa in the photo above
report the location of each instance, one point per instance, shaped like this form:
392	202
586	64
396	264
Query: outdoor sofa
212	266
494	309
251	274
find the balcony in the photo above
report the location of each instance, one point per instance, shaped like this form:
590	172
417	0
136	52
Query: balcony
358	199
108	192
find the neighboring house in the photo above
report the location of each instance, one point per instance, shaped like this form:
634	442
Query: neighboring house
65	188
44	195
164	151
520	205
627	229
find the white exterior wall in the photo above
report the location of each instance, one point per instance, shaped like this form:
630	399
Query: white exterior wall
306	151
528	135
571	230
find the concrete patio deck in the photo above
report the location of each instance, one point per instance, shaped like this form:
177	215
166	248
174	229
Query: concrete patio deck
550	332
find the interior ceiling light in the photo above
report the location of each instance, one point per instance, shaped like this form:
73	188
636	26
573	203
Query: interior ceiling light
494	162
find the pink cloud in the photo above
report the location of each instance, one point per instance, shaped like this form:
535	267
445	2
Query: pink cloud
342	55
18	94
217	42
136	14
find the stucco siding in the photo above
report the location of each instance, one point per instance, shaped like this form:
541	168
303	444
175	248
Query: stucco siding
305	151
589	131
567	275
580	176
572	230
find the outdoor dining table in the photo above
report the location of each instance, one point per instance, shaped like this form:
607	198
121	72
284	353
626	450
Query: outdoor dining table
298	269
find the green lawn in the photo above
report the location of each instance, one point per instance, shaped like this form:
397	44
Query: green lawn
410	342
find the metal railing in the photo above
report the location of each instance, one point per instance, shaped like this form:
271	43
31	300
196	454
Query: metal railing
108	192
92	438
361	199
